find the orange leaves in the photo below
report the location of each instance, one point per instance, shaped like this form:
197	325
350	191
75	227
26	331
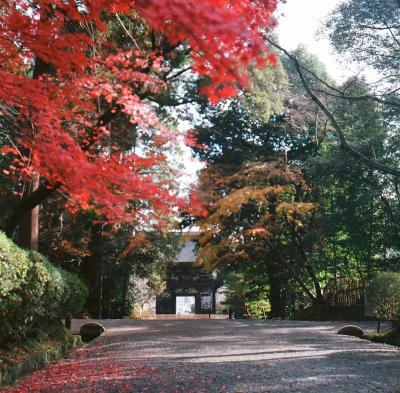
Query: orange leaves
227	250
233	203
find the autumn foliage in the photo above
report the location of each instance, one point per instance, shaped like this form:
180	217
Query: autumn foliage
258	205
67	82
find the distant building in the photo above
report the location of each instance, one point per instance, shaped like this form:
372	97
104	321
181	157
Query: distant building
189	290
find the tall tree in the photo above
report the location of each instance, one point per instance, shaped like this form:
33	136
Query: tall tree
369	33
68	83
259	222
354	206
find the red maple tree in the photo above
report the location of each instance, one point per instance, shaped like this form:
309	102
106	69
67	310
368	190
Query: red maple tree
55	73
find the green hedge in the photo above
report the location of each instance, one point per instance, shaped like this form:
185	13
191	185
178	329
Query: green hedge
33	291
383	292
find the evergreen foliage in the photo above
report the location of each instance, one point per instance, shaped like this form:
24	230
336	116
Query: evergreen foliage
33	291
384	294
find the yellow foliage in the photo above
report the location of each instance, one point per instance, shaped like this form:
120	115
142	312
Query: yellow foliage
224	251
271	188
233	202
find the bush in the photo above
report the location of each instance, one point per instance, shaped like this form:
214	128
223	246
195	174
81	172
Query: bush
33	291
383	293
258	309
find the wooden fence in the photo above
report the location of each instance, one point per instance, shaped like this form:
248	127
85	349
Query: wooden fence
344	291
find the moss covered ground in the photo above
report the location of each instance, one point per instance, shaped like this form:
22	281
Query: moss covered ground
392	337
40	347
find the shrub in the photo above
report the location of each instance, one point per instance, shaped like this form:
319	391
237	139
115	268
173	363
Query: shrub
33	291
258	309
383	292
64	293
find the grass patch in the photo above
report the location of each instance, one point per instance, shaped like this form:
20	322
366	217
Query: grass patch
40	347
392	337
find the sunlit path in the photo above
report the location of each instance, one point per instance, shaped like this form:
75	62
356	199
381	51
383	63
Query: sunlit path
222	356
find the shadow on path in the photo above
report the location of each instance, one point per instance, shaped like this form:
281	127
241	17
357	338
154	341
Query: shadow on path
222	356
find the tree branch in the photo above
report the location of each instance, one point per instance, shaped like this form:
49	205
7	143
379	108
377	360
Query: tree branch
339	132
30	201
340	94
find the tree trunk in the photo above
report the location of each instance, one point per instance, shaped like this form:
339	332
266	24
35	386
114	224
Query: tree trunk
91	271
370	240
29	228
277	280
292	271
125	294
26	213
275	298
319	299
24	206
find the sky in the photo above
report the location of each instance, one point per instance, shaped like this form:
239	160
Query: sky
299	22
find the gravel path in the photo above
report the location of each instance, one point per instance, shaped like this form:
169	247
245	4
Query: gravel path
222	356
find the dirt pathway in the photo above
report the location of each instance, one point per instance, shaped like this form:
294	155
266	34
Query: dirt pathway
222	356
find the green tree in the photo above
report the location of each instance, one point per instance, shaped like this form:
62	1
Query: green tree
353	229
368	32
